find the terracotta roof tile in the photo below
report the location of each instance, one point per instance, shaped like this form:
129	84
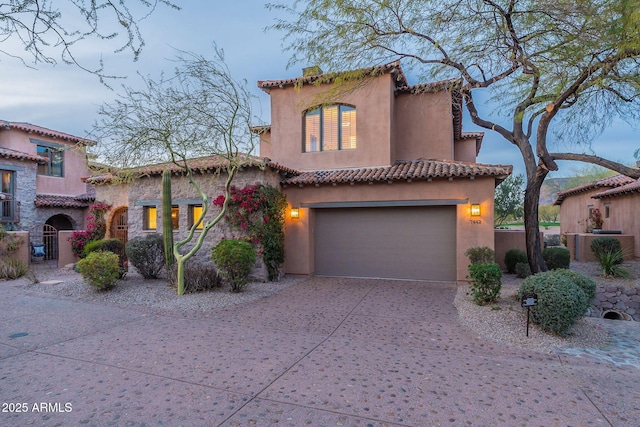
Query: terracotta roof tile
200	165
612	182
633	187
42	131
402	170
19	155
393	67
54	201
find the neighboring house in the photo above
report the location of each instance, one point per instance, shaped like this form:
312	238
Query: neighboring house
617	199
42	172
385	182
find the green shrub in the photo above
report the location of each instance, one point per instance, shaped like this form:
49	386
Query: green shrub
523	270
198	277
11	268
482	254
100	269
561	301
587	285
112	245
512	257
556	257
146	254
603	245
486	282
234	259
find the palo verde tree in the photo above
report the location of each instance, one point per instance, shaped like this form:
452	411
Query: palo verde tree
48	31
564	66
198	111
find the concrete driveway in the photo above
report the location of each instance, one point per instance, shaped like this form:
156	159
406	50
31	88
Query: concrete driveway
324	352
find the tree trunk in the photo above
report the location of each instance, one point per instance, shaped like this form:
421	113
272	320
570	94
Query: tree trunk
531	222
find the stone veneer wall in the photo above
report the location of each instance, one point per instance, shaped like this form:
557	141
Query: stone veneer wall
25	191
148	192
621	300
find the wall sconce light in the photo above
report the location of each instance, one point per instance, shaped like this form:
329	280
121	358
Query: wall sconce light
295	213
475	209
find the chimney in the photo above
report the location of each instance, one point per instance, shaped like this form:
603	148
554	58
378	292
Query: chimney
311	71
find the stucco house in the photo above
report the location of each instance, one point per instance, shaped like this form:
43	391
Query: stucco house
617	200
385	182
380	180
42	174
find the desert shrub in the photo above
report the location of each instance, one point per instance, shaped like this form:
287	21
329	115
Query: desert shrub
198	277
587	285
234	259
552	240
11	268
610	264
602	245
146	254
112	245
512	257
100	269
523	270
561	301
482	254
556	257
486	282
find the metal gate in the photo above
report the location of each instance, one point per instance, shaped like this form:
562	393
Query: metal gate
120	225
47	235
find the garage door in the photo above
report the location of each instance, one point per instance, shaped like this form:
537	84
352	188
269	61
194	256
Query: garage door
386	242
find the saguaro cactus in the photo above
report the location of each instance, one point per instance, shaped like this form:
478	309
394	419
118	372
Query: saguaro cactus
167	224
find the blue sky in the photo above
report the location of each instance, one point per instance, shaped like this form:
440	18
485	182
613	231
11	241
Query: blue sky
66	99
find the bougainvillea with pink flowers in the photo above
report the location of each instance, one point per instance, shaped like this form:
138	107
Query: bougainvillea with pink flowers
258	211
95	228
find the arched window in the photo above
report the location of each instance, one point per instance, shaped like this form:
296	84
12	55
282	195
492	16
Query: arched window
330	128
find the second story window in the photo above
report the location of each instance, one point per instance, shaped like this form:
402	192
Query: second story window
330	128
55	164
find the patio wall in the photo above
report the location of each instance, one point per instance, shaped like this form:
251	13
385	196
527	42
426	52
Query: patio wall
65	254
23	252
579	245
506	240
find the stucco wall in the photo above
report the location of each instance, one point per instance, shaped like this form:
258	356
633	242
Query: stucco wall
579	245
623	216
465	150
506	240
23	254
65	254
423	126
75	162
373	105
470	232
574	212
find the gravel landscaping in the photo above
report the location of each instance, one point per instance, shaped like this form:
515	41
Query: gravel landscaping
505	321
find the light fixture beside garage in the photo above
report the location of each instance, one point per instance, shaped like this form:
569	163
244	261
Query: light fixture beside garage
295	213
475	209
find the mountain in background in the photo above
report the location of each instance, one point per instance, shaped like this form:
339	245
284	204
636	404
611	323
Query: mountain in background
550	189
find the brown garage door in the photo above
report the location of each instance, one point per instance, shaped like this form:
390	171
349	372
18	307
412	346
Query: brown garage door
386	242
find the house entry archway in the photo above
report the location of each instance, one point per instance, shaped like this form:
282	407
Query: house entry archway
119	228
